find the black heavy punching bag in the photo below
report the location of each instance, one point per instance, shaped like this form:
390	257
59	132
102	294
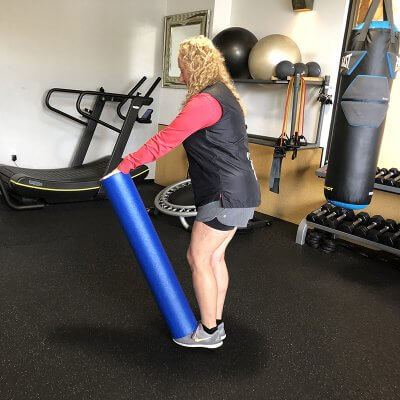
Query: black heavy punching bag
367	70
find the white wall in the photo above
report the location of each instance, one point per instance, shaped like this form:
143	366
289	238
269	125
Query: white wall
73	44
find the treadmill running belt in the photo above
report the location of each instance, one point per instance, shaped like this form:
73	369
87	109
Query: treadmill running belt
60	185
87	172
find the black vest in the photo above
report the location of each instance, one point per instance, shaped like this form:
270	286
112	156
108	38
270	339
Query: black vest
219	163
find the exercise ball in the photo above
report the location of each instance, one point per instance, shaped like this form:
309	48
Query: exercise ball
314	69
235	44
300	69
268	52
284	69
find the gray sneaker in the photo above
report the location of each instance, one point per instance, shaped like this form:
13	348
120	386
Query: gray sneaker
221	330
200	338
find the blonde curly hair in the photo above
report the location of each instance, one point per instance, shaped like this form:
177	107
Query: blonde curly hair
204	66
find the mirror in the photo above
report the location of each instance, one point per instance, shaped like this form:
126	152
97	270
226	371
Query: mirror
179	27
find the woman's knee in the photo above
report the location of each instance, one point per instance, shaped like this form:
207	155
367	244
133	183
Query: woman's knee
217	258
197	260
189	257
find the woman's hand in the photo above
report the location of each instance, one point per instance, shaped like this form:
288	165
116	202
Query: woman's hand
115	171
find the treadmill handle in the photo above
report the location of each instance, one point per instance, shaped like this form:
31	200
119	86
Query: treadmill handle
148	93
121	104
144	101
153	86
58	111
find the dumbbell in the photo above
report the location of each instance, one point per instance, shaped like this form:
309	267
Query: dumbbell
313	238
392	173
348	227
374	222
389	238
380	172
323	219
393	181
388	225
340	214
328	245
313	217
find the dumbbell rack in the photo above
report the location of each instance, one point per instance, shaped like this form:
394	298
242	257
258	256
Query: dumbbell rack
305	225
321	173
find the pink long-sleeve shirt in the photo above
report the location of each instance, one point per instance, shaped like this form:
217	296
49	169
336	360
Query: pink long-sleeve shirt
201	111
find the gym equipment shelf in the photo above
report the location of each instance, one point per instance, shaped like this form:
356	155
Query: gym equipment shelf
271	141
321	173
275	81
305	225
324	98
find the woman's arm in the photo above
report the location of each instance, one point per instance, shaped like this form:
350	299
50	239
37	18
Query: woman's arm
201	111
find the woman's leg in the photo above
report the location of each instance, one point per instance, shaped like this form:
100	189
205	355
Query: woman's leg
221	272
205	241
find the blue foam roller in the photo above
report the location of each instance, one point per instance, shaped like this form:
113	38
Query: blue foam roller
150	254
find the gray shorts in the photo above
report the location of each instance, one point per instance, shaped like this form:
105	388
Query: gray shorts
228	216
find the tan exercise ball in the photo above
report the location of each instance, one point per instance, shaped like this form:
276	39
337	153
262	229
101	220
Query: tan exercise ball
270	51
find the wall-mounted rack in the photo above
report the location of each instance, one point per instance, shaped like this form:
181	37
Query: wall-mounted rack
275	81
323	98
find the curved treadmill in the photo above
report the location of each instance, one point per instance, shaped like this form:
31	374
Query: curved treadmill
25	188
60	185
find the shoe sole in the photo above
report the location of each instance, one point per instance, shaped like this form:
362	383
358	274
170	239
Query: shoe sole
206	346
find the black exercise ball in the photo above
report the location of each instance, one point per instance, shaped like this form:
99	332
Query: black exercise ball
235	44
284	69
314	69
300	69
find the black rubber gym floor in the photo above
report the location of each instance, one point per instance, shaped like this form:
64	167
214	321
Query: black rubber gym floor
78	321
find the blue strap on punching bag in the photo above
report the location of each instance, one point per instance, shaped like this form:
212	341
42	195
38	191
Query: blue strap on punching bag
150	254
368	68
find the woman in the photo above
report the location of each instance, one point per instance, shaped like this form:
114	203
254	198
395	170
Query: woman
212	129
